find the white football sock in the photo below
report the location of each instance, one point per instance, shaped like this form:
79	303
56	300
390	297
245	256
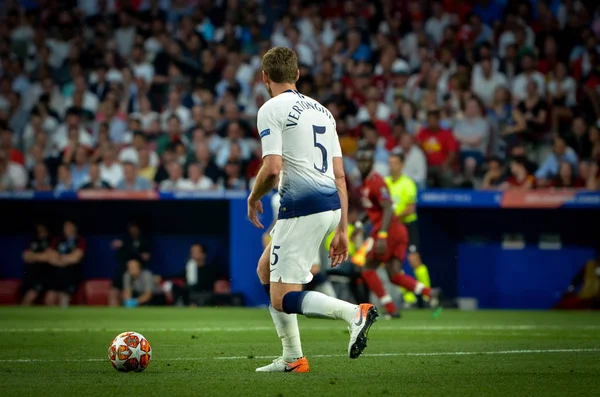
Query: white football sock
326	288
289	333
316	304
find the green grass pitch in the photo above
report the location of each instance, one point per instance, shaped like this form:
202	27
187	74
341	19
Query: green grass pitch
213	352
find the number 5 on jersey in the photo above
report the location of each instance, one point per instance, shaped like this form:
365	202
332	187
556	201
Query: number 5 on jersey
320	130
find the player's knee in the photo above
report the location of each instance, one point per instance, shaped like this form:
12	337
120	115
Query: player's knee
277	301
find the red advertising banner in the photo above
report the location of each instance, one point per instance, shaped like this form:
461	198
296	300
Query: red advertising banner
536	198
116	195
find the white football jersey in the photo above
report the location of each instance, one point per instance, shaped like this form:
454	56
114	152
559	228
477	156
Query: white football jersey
303	132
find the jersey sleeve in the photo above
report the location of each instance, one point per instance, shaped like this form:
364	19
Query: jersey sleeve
337	148
269	129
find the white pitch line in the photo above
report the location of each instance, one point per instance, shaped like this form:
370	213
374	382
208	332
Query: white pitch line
417	354
381	327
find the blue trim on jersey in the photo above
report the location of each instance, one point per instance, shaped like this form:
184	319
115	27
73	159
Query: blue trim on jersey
309	204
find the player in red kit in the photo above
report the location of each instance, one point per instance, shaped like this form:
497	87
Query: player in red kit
388	242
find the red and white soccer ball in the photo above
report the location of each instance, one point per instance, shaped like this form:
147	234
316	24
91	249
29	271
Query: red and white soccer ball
130	352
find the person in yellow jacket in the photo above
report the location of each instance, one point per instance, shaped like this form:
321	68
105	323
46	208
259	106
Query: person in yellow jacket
403	192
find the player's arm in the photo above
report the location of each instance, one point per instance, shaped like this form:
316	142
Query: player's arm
270	128
388	212
340	183
72	258
29	256
267	177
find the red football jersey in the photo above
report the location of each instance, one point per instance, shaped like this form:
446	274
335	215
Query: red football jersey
373	193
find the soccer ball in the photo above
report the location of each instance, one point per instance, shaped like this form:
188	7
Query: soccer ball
129	352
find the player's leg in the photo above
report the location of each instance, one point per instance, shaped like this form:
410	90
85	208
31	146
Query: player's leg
32	284
372	279
285	324
299	241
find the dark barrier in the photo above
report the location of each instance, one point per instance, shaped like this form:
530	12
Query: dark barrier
462	237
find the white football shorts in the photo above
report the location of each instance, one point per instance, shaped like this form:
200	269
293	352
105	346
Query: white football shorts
296	243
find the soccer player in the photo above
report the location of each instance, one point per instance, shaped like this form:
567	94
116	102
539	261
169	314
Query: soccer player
299	139
403	191
389	240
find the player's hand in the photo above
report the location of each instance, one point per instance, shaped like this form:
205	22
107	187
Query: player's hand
254	208
380	246
338	250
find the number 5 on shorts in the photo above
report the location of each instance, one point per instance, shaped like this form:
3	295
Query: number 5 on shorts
275	256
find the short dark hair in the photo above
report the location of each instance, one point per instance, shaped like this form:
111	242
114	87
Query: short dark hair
281	65
398	155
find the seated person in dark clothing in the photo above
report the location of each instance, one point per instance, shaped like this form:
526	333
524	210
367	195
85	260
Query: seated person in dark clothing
140	287
134	246
200	276
494	177
36	264
65	256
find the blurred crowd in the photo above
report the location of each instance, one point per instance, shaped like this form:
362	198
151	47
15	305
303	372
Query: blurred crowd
163	94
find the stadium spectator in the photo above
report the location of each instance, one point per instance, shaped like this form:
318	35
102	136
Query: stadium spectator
140	288
175	108
35	256
93	180
80	167
562	91
440	147
549	168
40	182
110	169
65	256
145	169
415	163
64	180
520	178
132	153
535	111
234	137
486	83
6	143
203	158
494	177
175	180
566	177
472	133
579	138
197	180
529	74
13	176
131	180
232	178
135	246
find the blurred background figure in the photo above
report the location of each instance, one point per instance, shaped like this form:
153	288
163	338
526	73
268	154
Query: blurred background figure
35	279
65	256
140	287
134	246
